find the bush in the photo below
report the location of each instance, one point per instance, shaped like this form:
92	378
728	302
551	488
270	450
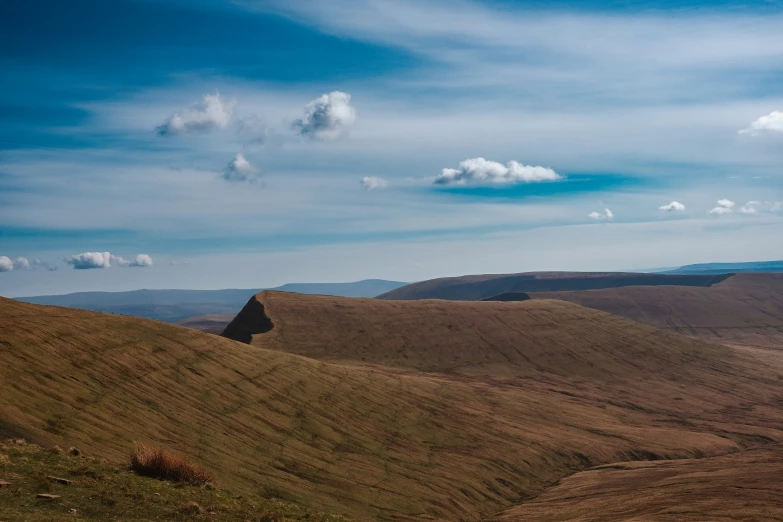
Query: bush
153	461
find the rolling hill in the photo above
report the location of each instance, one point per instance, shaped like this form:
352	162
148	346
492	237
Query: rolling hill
213	323
741	486
478	287
728	268
174	306
365	431
745	308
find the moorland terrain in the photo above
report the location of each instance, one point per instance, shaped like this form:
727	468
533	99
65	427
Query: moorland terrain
540	409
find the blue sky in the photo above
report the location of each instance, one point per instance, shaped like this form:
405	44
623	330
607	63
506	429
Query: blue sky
251	143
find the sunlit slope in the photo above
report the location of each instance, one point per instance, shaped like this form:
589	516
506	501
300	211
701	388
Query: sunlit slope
742	486
473	338
746	308
372	442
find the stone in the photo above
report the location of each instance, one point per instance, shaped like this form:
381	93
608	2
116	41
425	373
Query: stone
47	496
59	480
4	484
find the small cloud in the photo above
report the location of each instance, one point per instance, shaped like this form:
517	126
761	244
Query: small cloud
772	122
480	170
607	215
22	263
6	265
141	260
44	265
240	169
725	206
326	118
89	260
751	207
777	206
674	206
211	113
373	182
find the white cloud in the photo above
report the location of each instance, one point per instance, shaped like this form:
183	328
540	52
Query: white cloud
89	260
141	260
607	215
373	182
772	122
6	265
725	206
327	117
674	206
751	207
22	263
480	170
240	169
211	113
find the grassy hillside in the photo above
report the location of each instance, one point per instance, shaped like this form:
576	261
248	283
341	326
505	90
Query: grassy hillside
102	491
373	441
472	338
477	287
746	308
742	486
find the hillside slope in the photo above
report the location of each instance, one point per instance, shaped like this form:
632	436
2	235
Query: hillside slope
372	441
477	287
741	486
746	308
471	338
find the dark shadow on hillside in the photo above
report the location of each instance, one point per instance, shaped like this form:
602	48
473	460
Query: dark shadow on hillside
250	321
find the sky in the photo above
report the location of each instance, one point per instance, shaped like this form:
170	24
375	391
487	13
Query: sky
249	143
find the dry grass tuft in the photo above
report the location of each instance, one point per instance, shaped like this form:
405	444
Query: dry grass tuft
153	461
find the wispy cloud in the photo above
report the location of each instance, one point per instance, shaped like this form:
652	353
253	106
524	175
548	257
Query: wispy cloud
328	117
211	113
480	170
751	207
373	183
606	215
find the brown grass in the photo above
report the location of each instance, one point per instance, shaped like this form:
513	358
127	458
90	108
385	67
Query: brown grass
742	486
153	461
744	309
551	388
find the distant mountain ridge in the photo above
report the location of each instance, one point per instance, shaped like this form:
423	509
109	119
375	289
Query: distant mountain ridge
176	305
478	287
726	268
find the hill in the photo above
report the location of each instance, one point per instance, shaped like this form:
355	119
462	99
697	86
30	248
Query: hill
741	486
376	441
214	323
728	268
175	306
477	287
475	338
745	308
